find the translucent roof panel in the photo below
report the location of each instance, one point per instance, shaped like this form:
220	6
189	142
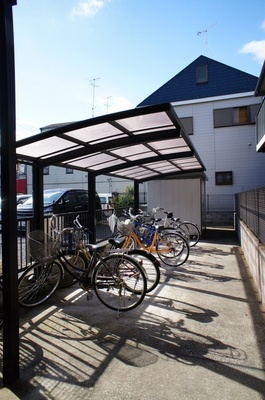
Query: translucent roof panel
48	147
139	144
95	133
144	122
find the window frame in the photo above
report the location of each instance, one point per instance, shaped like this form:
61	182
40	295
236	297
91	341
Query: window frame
187	123
46	170
201	74
227	178
231	116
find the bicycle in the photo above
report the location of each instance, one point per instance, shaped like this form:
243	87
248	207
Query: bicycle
117	279
148	262
188	228
167	243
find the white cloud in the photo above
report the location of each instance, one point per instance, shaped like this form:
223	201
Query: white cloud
120	104
88	8
257	48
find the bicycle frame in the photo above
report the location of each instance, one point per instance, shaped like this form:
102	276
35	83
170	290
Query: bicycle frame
151	243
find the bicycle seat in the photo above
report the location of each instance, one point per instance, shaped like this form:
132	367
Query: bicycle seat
96	247
117	242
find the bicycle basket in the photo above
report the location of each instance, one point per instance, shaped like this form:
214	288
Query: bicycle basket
124	228
71	239
42	247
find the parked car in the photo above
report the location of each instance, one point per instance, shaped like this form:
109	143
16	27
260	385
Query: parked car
21	198
57	201
105	199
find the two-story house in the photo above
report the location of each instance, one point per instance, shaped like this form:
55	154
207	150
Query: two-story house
217	107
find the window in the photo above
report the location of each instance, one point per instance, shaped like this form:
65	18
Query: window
69	171
46	171
224	178
187	123
240	115
235	116
202	74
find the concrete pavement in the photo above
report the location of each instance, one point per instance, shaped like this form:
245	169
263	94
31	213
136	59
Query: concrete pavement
199	335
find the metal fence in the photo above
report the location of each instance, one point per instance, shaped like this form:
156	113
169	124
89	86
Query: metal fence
220	202
25	226
219	210
250	208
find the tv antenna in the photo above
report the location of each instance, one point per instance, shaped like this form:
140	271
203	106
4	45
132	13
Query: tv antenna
93	83
107	103
206	35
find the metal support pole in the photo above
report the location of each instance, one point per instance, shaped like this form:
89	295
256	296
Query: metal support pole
37	175
8	195
92	207
136	197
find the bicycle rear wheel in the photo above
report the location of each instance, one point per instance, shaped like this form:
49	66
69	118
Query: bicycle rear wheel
192	231
119	282
172	248
38	283
150	266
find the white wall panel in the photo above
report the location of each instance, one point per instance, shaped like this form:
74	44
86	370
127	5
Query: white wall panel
182	196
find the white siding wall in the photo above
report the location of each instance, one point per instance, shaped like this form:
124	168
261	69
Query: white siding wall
183	197
225	149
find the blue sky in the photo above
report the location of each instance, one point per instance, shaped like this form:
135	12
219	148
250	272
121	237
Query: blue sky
126	48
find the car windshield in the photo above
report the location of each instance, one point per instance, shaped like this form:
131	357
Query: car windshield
48	197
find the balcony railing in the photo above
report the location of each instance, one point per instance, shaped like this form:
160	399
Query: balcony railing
260	127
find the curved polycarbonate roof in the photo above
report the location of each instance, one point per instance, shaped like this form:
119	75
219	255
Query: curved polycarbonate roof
139	144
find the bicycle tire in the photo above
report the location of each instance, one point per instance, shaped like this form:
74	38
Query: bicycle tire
74	264
119	282
192	231
150	265
38	283
172	248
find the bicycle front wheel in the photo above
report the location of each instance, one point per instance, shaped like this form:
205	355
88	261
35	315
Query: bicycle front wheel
172	248
119	282
192	232
38	283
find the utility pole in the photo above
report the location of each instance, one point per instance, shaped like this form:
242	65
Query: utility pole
93	83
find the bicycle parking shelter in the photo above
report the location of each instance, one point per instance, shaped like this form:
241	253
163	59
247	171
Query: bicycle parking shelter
141	144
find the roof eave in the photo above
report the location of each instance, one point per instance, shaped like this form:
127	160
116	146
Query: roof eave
260	88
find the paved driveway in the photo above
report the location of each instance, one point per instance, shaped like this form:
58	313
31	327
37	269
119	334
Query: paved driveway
199	335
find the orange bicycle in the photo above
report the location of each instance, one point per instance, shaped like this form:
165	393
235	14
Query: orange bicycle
170	246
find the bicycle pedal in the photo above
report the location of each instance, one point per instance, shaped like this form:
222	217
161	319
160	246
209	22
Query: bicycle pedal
86	286
89	296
